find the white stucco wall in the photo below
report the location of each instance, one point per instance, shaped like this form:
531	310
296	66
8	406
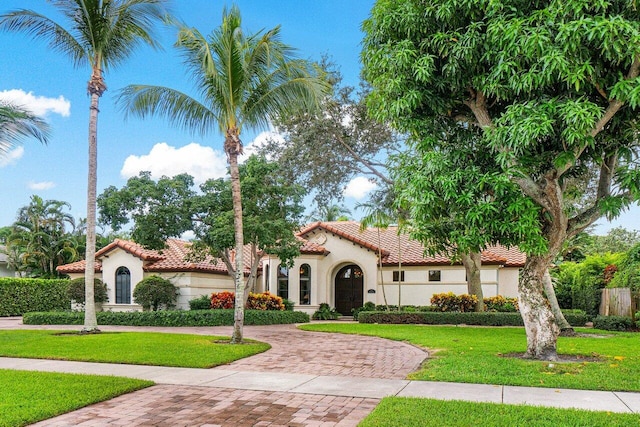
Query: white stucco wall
193	285
509	277
416	289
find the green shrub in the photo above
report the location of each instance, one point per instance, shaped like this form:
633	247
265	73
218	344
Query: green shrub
288	304
614	323
325	312
201	303
169	318
578	285
76	290
628	275
449	301
154	293
19	296
368	306
454	318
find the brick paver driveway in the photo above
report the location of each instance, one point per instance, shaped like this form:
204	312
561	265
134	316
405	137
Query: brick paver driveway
293	351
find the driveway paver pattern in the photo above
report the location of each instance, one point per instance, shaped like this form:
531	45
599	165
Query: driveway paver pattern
176	406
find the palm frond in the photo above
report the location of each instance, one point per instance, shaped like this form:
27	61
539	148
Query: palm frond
17	123
179	108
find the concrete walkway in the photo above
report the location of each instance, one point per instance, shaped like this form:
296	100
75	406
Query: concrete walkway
306	379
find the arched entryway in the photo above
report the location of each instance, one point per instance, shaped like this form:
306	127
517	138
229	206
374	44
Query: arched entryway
349	289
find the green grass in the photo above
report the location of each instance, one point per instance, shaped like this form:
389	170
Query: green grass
27	397
137	348
474	355
414	412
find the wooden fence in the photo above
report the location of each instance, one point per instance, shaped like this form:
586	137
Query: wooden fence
618	302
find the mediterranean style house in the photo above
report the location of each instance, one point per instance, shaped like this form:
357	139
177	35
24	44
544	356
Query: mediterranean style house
339	264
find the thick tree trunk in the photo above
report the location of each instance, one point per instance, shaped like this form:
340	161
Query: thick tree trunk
565	328
233	147
96	88
472	264
539	321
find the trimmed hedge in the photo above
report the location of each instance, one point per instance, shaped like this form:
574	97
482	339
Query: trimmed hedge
455	318
19	296
614	323
169	318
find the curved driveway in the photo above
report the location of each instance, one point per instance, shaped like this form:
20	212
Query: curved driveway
299	352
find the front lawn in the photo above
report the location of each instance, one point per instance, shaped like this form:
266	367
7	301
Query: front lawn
27	397
402	411
138	348
477	355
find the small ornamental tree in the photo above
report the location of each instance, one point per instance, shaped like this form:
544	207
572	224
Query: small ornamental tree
76	290
155	292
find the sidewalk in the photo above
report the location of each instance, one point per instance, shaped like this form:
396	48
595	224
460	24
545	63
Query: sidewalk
376	388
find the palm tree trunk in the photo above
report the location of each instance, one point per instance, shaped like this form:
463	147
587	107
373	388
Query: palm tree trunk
233	147
384	294
96	88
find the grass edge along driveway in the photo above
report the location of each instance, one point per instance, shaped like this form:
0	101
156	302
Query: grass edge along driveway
28	396
480	355
136	348
417	412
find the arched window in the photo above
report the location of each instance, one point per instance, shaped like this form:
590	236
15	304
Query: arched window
305	284
266	278
283	282
123	286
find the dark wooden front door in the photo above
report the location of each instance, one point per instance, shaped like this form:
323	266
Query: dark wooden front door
349	289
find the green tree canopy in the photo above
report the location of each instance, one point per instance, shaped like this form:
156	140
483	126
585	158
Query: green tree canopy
554	88
169	207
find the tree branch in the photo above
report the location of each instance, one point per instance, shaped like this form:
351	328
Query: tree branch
615	105
363	161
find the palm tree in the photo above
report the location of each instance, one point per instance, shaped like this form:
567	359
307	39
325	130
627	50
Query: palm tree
329	213
243	81
101	34
40	235
17	123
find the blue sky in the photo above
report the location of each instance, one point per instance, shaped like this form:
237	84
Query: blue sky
37	77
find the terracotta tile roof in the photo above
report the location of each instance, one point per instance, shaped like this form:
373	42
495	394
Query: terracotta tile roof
172	258
412	250
311	248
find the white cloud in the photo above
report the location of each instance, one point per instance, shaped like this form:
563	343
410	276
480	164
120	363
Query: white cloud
202	163
11	157
39	105
259	141
44	185
359	187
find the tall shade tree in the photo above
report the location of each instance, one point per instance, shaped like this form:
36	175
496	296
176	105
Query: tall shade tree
17	123
554	87
243	81
168	207
456	206
100	34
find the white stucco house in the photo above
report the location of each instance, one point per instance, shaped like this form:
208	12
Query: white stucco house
338	265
